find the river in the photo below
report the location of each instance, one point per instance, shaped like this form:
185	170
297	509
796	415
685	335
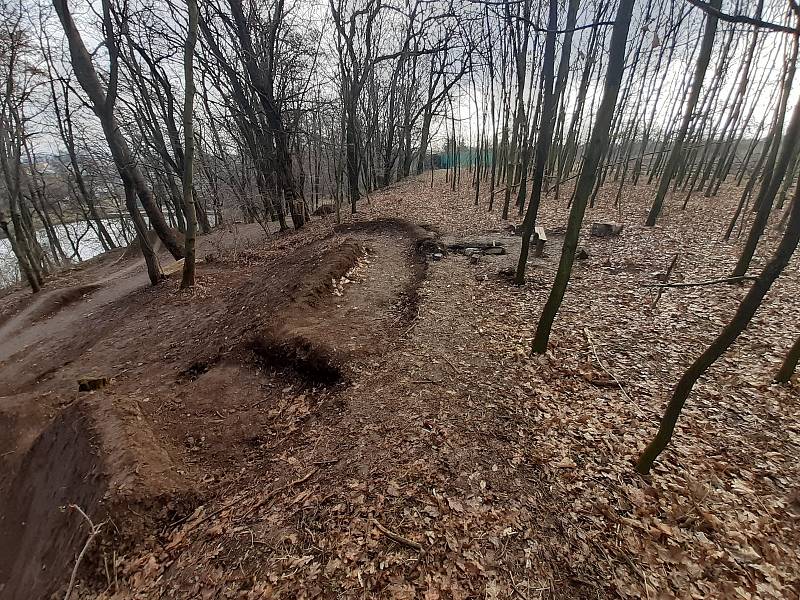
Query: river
78	239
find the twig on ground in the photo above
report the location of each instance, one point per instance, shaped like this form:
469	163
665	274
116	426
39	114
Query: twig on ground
94	531
449	362
600	362
277	491
238	499
701	283
666	279
413	323
398	538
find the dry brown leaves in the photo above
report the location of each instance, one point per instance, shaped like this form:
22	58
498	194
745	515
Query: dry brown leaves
514	474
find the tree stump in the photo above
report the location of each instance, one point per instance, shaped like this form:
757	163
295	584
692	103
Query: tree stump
606	230
541	240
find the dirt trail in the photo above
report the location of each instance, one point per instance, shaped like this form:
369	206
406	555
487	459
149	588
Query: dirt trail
49	315
207	408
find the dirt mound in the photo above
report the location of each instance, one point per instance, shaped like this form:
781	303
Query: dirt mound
58	299
40	538
45	305
324	210
91	456
388	225
187	398
317	335
319	283
286	344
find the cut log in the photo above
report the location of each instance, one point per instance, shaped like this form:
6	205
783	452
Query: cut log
605	230
474	245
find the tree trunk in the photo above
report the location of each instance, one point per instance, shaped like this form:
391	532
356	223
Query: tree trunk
598	143
542	143
150	257
103	106
789	364
773	177
726	338
188	148
676	154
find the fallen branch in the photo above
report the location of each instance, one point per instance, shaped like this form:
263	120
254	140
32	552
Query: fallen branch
701	283
449	362
398	538
666	279
94	531
237	500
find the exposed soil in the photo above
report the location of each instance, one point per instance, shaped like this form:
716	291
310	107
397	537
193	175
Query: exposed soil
200	374
351	412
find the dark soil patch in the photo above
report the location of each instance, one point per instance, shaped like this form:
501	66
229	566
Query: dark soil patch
310	360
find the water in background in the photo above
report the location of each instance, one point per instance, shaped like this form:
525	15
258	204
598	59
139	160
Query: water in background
83	236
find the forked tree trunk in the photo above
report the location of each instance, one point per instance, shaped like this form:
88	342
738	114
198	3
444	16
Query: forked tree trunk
103	106
150	256
22	257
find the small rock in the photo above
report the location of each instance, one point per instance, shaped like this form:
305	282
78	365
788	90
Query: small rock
471	251
582	254
473	259
437	256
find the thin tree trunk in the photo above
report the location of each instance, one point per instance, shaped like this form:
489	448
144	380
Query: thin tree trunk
726	338
598	143
188	146
789	363
543	142
676	153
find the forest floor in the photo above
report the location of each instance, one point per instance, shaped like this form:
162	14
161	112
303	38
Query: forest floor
343	413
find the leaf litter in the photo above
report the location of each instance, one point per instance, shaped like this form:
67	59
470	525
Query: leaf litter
456	465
